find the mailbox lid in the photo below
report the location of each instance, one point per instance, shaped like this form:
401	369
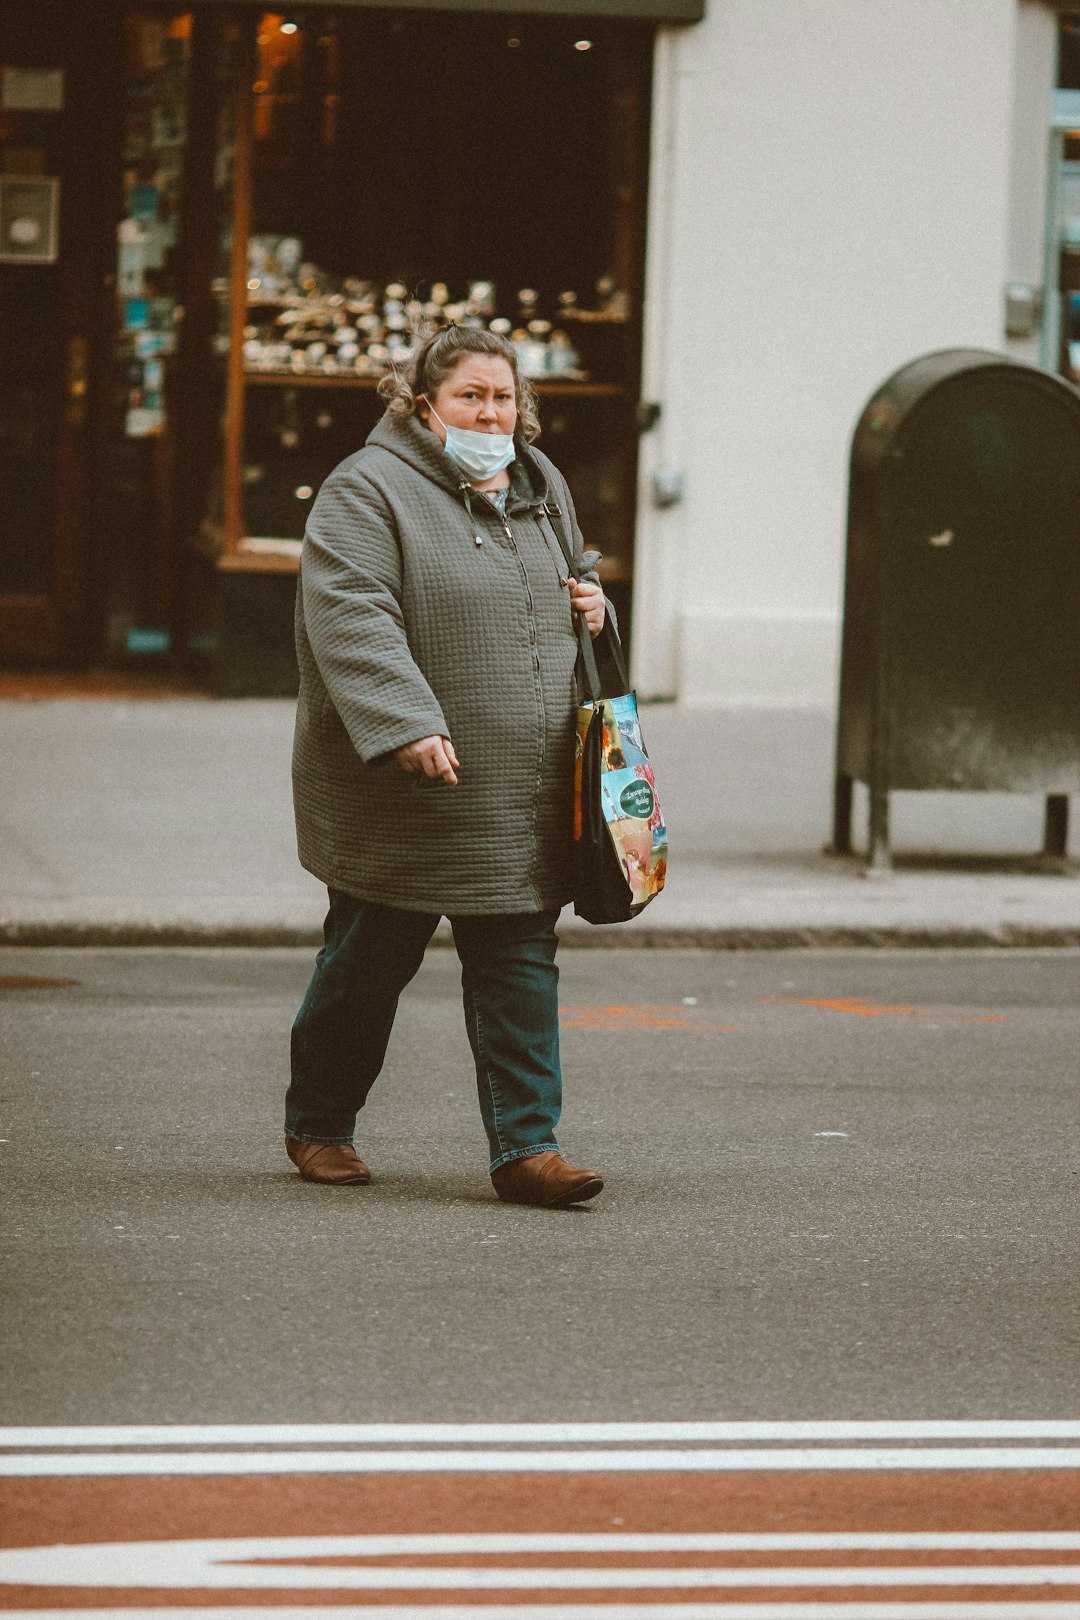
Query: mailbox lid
887	410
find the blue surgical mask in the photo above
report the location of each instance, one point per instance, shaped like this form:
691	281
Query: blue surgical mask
479	455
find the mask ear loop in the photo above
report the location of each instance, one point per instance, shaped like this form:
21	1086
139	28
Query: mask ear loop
464	485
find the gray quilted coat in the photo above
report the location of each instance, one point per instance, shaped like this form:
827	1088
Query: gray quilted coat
406	627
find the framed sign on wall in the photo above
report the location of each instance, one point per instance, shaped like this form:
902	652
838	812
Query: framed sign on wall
29	219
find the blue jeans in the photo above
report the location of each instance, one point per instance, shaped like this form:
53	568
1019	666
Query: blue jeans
509	985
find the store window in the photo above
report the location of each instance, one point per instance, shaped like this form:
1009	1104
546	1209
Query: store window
397	170
149	303
172	316
1062	352
147	285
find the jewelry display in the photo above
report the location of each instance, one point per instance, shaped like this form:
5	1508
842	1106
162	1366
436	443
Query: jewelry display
305	322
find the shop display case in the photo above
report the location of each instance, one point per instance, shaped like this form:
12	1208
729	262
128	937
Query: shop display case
340	267
314	351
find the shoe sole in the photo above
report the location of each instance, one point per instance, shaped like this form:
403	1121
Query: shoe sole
335	1181
588	1189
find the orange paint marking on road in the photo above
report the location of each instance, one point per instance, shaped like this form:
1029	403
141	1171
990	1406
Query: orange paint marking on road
964	1018
856	1005
33	981
46	1511
637	1016
616	1016
859	1007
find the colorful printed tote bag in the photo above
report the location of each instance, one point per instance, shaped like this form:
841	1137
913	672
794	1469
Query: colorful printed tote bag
620	837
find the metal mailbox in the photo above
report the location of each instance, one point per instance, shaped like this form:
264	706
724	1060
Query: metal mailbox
960	661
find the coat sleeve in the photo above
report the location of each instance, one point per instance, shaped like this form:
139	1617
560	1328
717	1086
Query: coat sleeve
350	582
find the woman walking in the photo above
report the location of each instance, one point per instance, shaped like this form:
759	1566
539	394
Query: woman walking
434	753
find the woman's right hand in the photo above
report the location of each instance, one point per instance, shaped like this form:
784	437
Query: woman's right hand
429	756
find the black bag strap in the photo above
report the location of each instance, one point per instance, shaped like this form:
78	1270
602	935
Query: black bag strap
588	668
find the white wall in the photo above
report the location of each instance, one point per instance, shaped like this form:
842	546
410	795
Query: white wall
829	199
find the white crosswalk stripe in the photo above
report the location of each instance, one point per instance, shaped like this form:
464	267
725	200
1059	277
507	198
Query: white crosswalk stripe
360	1461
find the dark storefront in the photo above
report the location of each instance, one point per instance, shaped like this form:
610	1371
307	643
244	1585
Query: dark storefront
219	224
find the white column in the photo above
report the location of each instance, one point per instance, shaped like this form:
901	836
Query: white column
829	199
659	551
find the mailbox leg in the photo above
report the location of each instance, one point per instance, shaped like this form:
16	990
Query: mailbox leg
1056	826
841	830
880	858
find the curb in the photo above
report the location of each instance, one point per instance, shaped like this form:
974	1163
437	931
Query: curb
74	936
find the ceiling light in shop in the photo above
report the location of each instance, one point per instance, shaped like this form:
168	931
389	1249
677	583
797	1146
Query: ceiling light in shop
583	44
289	27
513	42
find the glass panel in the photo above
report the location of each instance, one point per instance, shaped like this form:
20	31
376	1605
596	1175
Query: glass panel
1069	238
382	207
157	52
1064	325
147	267
205	517
344	108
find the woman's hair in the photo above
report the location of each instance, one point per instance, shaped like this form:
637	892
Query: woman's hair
435	360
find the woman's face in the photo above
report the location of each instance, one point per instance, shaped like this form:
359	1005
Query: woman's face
477	395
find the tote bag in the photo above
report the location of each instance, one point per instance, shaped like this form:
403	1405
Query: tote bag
620	837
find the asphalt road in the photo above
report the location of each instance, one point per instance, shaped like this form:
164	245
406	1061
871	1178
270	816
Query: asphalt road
838	1185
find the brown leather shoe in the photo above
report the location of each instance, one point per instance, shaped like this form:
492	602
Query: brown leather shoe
337	1164
545	1179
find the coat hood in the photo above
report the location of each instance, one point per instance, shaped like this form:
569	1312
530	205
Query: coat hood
416	445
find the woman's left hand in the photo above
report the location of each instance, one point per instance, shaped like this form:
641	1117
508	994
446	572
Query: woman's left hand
588	600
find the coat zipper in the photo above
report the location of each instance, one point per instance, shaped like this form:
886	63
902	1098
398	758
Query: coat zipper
537	683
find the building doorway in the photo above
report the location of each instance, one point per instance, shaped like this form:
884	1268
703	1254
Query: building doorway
55	147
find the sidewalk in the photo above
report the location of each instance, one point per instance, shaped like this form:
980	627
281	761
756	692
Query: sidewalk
169	821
